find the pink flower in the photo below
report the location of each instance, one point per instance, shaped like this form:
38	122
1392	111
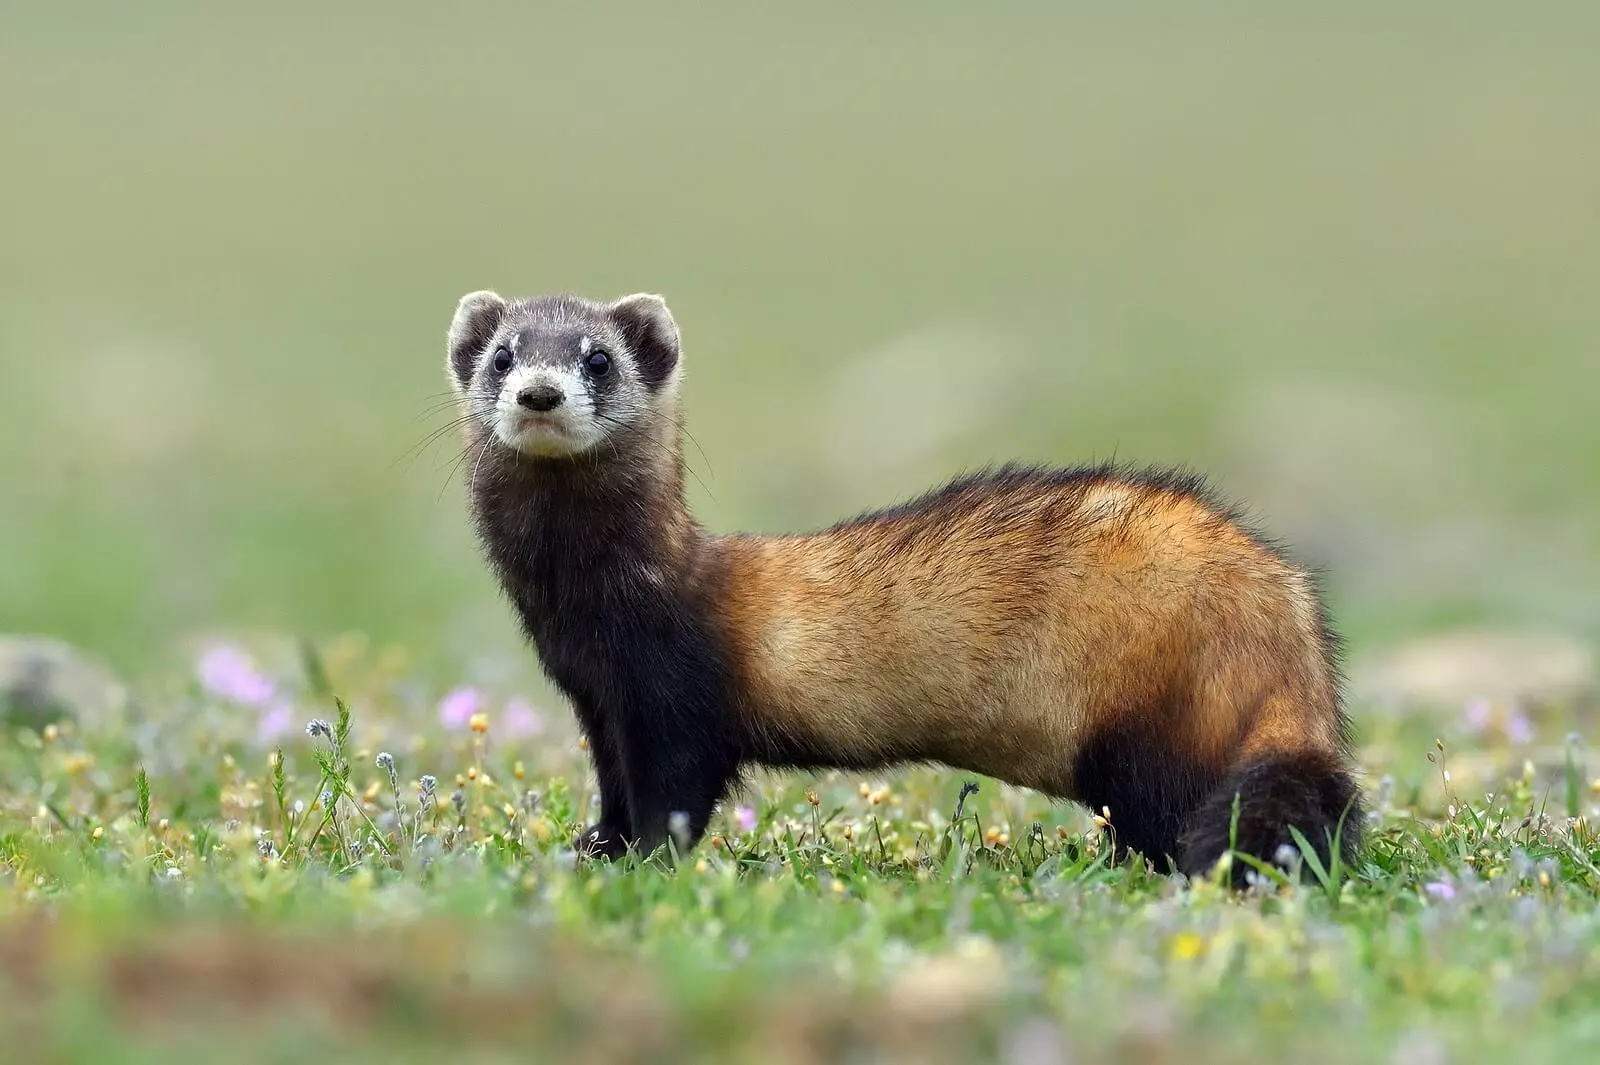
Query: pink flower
276	722
1477	714
1519	729
522	719
1441	889
745	818
457	708
227	673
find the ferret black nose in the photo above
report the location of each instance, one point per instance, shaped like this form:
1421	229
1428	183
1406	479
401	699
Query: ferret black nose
540	397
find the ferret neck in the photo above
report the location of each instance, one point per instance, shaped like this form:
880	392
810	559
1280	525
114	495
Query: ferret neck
625	499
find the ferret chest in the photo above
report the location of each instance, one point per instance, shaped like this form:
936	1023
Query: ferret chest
581	616
610	628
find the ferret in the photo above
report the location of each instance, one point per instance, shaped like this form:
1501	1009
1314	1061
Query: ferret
1111	636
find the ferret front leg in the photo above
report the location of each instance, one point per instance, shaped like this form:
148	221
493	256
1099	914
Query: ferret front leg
674	783
610	836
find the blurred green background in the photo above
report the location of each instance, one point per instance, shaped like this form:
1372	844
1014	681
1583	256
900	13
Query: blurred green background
1344	261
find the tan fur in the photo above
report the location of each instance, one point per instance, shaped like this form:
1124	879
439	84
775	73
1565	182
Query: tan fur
999	633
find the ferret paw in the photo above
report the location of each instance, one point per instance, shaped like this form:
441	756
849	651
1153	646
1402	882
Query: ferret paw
601	841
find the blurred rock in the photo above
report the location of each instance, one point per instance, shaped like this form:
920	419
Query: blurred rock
958	983
44	680
1449	670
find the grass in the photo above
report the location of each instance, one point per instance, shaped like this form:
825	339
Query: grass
180	883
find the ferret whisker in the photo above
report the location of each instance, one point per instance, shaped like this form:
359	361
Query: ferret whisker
697	447
457	400
456	422
448	405
454	466
462	454
416	450
472	482
614	423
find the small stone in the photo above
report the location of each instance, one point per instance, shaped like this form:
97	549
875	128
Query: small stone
44	680
962	981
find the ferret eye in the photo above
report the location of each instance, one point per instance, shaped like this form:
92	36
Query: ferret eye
598	363
502	360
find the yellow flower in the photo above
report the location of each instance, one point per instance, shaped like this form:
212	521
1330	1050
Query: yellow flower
472	773
518	771
1186	945
478	723
813	798
98	832
838	887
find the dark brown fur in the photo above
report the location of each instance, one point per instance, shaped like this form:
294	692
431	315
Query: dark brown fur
1109	636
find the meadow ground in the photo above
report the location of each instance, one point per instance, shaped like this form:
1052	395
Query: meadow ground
1343	260
212	880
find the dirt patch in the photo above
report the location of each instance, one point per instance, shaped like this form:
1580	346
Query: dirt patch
448	986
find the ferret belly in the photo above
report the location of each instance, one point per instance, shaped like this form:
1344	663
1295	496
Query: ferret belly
1013	712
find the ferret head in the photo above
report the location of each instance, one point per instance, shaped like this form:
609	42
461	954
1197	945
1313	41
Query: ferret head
555	376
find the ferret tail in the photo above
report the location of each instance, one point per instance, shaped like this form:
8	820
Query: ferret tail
1311	791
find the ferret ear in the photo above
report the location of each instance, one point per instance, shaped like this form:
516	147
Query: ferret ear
477	317
652	336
